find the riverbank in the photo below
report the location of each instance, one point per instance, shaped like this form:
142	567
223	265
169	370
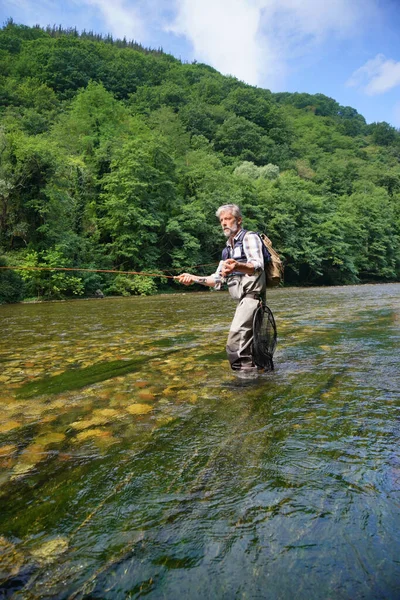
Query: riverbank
194	291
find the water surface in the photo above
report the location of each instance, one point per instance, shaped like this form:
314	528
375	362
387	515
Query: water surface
133	463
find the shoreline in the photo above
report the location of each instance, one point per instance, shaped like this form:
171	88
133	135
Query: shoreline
200	291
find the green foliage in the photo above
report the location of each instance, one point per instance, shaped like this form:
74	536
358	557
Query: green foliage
374	231
132	285
48	283
113	156
269	171
249	169
247	102
28	210
202	119
167	122
138	194
383	134
92	122
11	284
211	89
242	138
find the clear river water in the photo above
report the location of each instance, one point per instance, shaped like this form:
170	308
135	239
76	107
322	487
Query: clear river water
134	464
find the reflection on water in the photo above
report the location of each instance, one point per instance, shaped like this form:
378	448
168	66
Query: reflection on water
133	463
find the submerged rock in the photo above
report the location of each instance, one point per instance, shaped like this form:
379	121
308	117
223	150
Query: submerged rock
49	551
139	409
11	560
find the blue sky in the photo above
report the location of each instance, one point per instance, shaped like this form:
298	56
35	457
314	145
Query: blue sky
346	49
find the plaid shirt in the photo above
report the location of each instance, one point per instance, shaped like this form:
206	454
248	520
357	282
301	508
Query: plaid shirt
253	251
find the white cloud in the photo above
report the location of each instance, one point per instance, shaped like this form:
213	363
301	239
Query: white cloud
255	39
121	19
299	25
224	33
377	76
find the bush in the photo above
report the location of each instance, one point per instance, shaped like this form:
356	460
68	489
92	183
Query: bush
124	285
45	283
11	285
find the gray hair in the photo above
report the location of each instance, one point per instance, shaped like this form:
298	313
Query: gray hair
231	208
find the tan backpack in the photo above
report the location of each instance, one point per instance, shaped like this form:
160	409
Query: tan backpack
274	267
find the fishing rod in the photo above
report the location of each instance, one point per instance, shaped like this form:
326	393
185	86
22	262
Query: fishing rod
140	273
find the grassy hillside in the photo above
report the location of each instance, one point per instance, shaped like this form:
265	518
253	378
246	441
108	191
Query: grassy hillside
114	156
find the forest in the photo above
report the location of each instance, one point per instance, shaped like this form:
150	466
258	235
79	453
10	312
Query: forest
115	157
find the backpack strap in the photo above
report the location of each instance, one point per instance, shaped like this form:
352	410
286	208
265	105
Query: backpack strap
225	251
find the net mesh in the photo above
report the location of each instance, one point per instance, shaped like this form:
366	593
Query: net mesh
264	340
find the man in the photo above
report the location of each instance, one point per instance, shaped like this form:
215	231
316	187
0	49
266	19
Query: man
242	268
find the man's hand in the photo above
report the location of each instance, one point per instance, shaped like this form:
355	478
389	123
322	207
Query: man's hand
229	266
185	278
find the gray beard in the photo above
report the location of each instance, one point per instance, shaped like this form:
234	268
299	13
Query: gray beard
228	232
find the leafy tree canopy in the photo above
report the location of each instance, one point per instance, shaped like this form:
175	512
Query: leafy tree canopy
116	156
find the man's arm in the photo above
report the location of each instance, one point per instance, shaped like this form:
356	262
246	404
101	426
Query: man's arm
253	251
188	279
231	265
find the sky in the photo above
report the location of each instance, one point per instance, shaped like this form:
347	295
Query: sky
346	49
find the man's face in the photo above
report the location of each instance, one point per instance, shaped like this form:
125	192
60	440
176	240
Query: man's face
229	223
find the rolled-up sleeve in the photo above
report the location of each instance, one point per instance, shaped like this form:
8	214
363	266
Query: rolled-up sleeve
219	280
253	250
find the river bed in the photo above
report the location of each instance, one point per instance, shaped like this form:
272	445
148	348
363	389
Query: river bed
133	463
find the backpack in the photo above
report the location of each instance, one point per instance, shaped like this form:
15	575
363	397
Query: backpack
274	265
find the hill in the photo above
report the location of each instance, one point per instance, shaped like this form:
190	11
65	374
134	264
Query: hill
114	156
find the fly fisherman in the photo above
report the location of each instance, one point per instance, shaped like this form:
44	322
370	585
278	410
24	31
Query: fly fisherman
242	268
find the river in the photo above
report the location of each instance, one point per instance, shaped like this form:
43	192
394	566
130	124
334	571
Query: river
133	463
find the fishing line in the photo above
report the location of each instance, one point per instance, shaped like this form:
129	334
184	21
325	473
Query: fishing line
140	273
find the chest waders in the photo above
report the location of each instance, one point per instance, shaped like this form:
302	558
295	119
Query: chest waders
247	290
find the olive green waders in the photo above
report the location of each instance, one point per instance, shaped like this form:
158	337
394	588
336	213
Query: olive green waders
247	290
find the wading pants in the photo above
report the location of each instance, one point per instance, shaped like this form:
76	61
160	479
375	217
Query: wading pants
240	339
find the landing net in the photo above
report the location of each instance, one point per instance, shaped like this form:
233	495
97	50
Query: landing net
264	337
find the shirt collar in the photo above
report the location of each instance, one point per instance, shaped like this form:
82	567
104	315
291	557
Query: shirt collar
235	239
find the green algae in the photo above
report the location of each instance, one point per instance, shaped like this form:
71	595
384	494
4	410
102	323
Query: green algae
77	378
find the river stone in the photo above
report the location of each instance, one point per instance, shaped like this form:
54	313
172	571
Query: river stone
11	560
139	409
49	551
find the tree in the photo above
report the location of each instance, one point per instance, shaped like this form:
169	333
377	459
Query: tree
94	120
375	233
65	64
28	213
114	155
123	72
137	195
383	134
167	122
245	102
249	169
202	119
239	137
11	284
